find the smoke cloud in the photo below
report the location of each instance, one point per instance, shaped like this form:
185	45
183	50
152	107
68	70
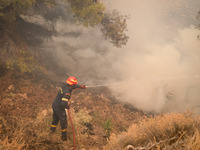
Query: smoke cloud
158	70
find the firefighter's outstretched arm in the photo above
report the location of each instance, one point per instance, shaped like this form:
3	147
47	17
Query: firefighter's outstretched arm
79	86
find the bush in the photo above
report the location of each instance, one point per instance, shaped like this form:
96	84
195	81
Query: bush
21	60
168	131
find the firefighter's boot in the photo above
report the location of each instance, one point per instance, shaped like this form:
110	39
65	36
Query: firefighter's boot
53	129
64	136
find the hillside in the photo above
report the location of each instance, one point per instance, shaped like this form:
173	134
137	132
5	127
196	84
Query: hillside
100	121
39	51
28	90
26	115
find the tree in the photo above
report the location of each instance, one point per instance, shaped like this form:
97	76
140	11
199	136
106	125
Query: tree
14	30
86	12
113	27
92	13
9	9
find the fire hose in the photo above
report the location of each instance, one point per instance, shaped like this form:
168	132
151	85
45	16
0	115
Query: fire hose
70	118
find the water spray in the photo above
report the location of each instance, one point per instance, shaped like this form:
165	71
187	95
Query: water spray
146	79
110	84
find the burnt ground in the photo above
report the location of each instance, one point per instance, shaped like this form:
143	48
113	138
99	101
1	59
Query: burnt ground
23	98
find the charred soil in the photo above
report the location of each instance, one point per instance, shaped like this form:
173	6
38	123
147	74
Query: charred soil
26	115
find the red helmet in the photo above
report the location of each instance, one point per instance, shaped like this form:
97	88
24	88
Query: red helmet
71	81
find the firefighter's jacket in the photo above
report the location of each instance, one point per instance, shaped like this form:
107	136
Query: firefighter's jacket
63	96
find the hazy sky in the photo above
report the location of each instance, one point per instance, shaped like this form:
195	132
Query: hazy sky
159	66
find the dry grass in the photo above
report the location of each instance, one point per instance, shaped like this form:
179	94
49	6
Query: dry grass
28	134
34	134
25	119
168	131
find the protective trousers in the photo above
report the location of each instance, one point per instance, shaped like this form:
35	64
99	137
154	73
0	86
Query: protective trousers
59	115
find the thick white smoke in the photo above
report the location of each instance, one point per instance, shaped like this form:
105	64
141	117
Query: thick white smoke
167	75
161	61
159	67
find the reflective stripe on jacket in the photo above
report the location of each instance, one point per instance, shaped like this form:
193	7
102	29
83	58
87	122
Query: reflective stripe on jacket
63	96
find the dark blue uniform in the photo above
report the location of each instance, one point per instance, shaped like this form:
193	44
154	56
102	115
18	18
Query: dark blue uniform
59	105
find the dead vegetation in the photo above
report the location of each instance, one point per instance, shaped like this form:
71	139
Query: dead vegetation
167	131
26	115
100	121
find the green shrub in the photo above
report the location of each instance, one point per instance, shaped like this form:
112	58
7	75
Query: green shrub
23	61
88	12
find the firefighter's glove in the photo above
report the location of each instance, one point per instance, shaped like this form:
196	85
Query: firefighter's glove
82	86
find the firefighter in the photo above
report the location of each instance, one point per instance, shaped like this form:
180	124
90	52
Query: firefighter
61	103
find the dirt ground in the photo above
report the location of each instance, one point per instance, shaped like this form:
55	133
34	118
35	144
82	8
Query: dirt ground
24	99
